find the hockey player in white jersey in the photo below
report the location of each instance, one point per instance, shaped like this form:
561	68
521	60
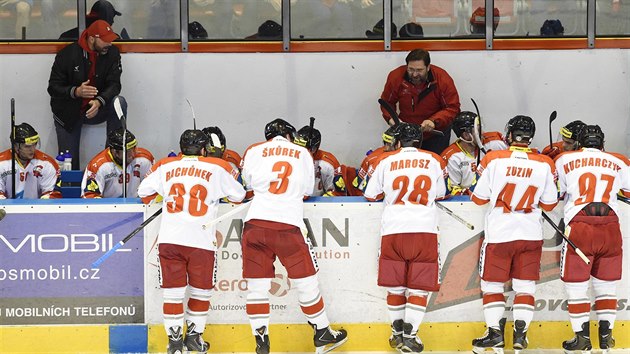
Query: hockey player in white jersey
279	174
516	184
36	174
590	179
462	155
409	268
103	176
191	186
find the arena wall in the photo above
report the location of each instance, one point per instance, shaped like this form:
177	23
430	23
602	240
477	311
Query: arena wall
50	295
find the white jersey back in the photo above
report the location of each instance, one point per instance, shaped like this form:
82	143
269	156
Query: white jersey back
280	174
515	182
192	187
411	179
591	175
38	177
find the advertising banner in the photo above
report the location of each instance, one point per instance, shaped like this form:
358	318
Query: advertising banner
45	266
346	239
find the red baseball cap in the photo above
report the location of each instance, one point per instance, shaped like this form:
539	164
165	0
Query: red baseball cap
103	30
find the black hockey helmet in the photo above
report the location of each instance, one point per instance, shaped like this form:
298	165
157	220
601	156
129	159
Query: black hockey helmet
464	121
25	134
410	135
280	127
115	139
390	136
591	136
572	130
310	139
192	141
520	130
216	141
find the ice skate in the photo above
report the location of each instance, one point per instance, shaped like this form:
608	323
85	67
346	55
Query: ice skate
606	340
411	342
327	339
581	343
492	339
193	341
175	341
520	336
262	340
396	339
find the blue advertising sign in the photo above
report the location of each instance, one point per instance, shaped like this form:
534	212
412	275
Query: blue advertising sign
46	275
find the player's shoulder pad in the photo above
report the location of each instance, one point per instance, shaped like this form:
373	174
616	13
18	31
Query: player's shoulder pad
142	152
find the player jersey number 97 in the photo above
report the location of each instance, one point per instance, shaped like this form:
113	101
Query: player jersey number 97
525	202
587	184
418	195
196	204
284	170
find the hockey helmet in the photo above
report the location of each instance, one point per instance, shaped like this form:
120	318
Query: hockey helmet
308	138
520	130
464	121
280	127
192	141
115	139
410	135
25	134
591	136
572	130
216	141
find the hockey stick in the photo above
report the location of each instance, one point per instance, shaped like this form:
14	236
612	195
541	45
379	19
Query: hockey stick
98	262
13	147
477	132
623	199
193	114
552	117
455	216
123	121
232	212
577	250
394	115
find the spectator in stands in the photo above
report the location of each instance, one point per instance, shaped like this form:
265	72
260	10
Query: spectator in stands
268	30
323	18
22	10
411	30
101	10
36	174
378	31
426	95
478	20
552	28
82	89
103	177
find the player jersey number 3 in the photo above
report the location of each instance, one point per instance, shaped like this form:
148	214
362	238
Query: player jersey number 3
196	199
281	184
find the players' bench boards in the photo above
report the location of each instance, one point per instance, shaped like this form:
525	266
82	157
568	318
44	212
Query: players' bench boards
71	183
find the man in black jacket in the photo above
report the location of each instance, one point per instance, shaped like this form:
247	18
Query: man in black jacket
84	80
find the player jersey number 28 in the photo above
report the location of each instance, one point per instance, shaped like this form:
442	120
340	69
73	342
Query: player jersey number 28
419	193
196	204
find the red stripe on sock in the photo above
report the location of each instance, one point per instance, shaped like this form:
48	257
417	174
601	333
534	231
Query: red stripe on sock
584	307
198	305
524	299
607	304
257	309
396	300
489	298
173	309
418	300
313	309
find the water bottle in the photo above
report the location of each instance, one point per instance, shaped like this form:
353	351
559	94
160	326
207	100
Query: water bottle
172	153
67	161
60	159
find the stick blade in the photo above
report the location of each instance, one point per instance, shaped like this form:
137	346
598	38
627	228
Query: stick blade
118	108
553	116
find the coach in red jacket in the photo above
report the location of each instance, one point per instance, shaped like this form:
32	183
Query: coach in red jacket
426	95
